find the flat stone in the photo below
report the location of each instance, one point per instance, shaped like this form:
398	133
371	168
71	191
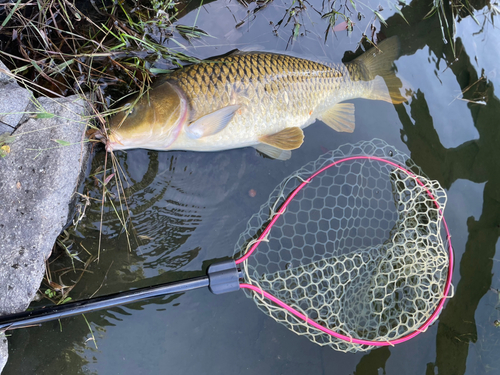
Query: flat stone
38	179
13	101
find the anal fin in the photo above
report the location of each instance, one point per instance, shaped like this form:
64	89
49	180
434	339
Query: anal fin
340	117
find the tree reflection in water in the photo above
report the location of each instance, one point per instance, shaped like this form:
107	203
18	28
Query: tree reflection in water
476	161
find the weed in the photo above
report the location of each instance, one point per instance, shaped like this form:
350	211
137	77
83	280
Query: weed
64	270
448	14
91	332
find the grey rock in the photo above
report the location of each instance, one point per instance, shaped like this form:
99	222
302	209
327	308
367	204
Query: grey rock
38	179
13	101
5	75
4	352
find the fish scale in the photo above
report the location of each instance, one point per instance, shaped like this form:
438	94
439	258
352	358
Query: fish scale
260	82
253	99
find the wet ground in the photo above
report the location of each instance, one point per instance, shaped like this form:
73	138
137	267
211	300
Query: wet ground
188	210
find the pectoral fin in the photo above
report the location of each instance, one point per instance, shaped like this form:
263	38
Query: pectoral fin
273	152
340	117
212	123
287	139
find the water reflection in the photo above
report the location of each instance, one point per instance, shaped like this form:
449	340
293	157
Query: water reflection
168	196
373	362
477	161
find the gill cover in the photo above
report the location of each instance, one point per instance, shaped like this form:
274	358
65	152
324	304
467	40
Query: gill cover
151	120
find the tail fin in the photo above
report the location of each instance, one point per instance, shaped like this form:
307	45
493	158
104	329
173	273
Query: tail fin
378	61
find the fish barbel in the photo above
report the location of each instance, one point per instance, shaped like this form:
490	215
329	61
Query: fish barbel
254	99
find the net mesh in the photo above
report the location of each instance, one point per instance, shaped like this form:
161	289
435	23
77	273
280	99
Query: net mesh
359	249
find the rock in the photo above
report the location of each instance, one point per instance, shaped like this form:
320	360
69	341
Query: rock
4	353
13	101
38	179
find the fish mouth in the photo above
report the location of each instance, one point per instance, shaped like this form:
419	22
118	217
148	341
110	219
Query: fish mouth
100	135
112	143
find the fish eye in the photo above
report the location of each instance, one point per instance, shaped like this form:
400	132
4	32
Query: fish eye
129	109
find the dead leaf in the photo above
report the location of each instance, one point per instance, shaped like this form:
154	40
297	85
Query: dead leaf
4	150
56	286
108	178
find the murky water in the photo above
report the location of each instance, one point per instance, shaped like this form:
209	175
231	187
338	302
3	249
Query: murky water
188	210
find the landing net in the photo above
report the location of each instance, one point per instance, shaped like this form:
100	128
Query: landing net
352	250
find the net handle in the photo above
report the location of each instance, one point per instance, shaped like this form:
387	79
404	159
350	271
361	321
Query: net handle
313	323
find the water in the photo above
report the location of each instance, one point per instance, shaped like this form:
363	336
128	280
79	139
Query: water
188	210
